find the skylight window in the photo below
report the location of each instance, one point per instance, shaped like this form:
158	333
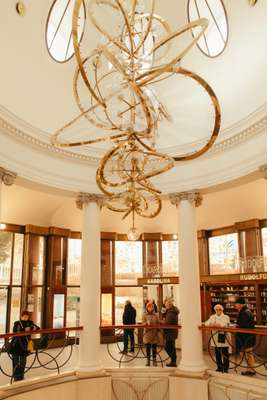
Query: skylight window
214	40
58	29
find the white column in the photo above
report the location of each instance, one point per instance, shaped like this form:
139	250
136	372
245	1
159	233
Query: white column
89	348
7	178
190	308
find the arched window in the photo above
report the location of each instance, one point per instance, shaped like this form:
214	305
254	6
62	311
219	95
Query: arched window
58	29
214	40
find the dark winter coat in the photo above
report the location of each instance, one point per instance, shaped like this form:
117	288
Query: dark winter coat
129	315
19	344
171	318
245	320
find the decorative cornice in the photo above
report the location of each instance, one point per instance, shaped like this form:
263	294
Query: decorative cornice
194	197
263	169
223	145
7	177
86	198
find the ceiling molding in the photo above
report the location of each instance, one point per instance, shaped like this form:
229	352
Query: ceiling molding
12	126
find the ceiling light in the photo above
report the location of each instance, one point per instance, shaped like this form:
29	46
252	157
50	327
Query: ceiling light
118	76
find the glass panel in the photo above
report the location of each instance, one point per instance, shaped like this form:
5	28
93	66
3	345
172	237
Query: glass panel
3	309
74	261
73	307
170	257
106	309
5	257
128	268
15	307
106	263
213	42
34	305
223	254
59	25
264	241
38	265
18	259
135	295
58	311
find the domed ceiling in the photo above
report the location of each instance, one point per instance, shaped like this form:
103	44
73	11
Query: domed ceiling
36	99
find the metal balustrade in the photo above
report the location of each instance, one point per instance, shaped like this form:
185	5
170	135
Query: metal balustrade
243	356
39	354
122	357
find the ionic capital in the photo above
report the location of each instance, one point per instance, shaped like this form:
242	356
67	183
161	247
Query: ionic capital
193	197
86	198
7	177
263	170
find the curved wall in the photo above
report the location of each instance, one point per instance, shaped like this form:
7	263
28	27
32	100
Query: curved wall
28	205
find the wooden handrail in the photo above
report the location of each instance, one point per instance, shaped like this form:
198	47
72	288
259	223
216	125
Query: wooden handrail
139	326
38	331
255	331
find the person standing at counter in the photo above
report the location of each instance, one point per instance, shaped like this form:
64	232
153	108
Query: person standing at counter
220	340
171	318
245	341
128	318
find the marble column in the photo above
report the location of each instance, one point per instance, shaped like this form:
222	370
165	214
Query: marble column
89	348
190	307
6	178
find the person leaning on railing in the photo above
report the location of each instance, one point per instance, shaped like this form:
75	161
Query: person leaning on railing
128	318
171	318
219	339
245	341
151	337
19	346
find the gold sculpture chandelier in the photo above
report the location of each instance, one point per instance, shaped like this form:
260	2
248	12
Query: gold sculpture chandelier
114	90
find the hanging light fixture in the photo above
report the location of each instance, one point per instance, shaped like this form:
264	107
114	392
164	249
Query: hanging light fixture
113	88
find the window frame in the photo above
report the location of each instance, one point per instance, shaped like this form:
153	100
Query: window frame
227	36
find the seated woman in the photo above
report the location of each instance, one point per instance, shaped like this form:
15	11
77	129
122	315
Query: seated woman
220	340
150	338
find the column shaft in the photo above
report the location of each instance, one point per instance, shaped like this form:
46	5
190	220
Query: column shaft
89	349
191	340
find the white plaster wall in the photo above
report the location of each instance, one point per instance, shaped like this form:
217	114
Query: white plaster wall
27	205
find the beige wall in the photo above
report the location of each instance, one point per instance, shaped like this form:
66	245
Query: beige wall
23	205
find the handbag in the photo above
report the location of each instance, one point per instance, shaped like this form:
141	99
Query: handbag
221	337
30	346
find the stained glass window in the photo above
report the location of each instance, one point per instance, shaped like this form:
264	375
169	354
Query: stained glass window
223	254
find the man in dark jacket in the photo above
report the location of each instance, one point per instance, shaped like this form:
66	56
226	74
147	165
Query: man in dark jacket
171	318
245	341
128	318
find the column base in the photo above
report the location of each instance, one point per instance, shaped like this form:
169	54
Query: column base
194	368
90	370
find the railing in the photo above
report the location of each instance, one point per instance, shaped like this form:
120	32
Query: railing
238	349
30	350
140	333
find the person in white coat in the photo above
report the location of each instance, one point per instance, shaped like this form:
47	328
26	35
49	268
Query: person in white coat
220	340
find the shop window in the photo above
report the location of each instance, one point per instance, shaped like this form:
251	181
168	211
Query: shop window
135	295
170	257
128	262
106	309
59	29
74	262
58	311
11	264
213	41
223	254
73	306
